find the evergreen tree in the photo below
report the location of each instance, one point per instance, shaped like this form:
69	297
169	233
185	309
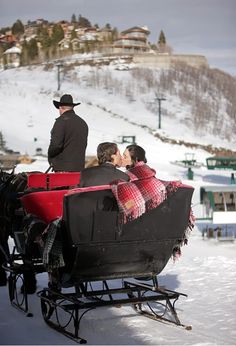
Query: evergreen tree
73	18
32	49
114	34
84	22
57	34
44	37
2	141
24	54
162	45
162	38
18	28
73	34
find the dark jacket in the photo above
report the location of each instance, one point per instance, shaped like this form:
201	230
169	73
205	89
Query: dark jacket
101	175
68	143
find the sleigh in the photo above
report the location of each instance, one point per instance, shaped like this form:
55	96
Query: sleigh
107	263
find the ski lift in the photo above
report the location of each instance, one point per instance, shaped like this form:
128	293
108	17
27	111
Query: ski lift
189	161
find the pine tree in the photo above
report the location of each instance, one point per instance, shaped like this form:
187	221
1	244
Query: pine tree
84	22
162	39
2	142
24	54
73	34
57	34
73	18
114	35
18	28
162	45
44	37
32	49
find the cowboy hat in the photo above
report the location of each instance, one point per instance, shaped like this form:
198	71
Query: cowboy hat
65	100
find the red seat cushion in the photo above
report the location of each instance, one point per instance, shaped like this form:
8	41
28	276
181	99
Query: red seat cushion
53	180
46	205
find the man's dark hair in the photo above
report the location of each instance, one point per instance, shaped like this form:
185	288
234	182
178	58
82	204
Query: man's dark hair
137	154
105	151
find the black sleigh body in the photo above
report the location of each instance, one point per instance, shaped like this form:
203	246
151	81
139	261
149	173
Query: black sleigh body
108	249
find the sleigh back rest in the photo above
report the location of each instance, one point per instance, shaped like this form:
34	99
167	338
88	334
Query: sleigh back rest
107	249
45	205
50	181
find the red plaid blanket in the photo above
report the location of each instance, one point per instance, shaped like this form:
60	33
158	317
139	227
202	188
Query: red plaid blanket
142	193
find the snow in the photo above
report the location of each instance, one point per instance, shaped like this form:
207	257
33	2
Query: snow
206	271
13	50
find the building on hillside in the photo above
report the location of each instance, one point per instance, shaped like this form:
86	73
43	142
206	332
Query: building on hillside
31	29
8	38
67	43
75	44
105	34
67	27
64	44
90	34
133	40
12	56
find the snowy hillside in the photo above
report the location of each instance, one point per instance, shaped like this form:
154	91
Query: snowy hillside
108	96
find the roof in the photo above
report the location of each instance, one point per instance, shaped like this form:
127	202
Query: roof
225	158
219	188
143	29
13	50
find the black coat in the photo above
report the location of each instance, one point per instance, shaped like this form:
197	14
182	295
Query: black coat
68	143
101	175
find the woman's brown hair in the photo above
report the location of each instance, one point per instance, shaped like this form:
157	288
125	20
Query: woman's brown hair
137	154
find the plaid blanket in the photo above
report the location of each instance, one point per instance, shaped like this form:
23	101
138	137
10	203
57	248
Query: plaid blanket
142	193
52	254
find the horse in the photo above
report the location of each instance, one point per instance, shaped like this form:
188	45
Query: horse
11	185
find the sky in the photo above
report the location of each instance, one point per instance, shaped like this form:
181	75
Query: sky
205	27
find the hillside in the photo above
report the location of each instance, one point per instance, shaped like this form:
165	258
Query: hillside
199	105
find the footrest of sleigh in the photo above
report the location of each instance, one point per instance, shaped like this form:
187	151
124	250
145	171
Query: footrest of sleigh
64	311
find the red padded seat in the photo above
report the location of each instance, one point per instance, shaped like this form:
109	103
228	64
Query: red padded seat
46	205
53	180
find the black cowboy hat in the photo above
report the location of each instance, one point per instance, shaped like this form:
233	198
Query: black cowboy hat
65	100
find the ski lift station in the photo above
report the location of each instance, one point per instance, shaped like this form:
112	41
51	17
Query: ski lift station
219	210
220	162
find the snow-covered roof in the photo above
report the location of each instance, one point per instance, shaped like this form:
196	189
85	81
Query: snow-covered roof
219	188
13	50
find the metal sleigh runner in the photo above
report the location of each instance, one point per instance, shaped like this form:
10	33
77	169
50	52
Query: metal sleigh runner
105	262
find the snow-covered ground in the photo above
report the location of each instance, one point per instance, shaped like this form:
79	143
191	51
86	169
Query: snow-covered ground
206	271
